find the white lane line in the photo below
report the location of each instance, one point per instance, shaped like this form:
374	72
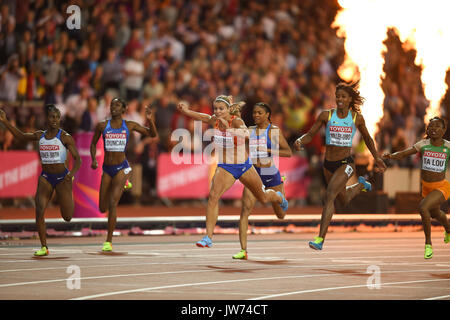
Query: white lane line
438	298
235	263
341	288
223	265
100	257
107	294
100	277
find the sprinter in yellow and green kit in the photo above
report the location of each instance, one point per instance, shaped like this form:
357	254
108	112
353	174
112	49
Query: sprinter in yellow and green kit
435	152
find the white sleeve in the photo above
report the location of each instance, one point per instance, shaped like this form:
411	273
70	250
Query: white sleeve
421	143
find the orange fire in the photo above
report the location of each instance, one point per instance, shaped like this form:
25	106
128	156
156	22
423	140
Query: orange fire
422	25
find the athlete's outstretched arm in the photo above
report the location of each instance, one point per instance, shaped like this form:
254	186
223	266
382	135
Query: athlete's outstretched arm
361	125
400	154
184	109
307	137
18	134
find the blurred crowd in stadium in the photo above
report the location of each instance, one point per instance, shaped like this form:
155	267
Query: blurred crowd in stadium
158	52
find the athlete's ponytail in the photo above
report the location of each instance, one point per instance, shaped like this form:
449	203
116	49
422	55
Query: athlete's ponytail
235	108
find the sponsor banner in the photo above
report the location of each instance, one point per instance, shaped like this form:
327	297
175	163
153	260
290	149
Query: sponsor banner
182	181
86	184
19	173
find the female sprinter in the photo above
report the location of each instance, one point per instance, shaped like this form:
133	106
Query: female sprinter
340	125
116	169
266	140
435	152
53	145
233	162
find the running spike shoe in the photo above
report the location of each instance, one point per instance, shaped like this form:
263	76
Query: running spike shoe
107	246
428	251
367	185
42	252
242	255
316	244
205	242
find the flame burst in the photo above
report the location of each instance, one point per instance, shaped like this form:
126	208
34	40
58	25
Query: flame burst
422	25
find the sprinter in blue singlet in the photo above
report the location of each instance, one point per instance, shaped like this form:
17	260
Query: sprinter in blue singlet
266	141
341	124
116	169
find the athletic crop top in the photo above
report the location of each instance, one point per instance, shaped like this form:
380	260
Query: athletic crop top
339	132
434	158
258	145
115	140
224	139
52	151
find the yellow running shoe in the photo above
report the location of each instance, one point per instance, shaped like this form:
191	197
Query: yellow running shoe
107	246
428	251
128	185
446	237
242	255
42	252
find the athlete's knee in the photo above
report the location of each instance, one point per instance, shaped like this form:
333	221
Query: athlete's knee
213	198
40	209
424	211
113	202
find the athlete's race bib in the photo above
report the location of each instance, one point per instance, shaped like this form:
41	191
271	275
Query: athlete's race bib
258	147
115	142
50	154
223	139
434	161
341	136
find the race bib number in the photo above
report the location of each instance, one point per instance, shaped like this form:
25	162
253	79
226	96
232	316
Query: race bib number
115	142
49	154
434	161
223	139
258	148
341	136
